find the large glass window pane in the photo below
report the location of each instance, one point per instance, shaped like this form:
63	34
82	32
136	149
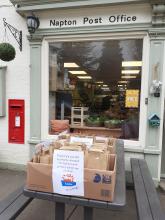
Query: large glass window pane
101	78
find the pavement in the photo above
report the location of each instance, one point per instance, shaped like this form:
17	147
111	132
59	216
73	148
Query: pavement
45	210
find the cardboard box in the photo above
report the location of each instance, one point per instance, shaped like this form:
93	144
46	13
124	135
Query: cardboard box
98	184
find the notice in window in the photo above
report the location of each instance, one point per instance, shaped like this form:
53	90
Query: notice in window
132	98
68	172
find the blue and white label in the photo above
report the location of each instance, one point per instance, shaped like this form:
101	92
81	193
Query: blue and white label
102	178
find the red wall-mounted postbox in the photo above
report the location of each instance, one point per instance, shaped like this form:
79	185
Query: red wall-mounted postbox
16	121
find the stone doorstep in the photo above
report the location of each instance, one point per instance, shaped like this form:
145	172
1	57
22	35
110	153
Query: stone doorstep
162	185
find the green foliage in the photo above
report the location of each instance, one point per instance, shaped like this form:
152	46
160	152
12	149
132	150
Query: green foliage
7	52
96	121
113	123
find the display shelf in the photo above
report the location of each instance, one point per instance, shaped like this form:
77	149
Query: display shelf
78	115
111	132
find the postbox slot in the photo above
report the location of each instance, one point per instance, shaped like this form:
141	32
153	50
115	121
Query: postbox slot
15	106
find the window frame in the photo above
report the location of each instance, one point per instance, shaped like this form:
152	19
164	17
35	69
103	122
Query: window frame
96	37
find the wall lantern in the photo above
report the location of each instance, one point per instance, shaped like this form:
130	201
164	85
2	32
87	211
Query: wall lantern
32	23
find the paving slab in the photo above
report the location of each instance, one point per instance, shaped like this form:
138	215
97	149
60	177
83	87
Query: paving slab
45	210
9	181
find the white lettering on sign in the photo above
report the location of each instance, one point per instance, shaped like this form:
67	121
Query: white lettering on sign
110	15
68	172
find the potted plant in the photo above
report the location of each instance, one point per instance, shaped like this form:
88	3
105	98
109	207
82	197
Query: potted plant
112	123
7	52
94	121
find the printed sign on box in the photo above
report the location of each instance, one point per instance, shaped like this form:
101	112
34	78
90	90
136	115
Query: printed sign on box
68	172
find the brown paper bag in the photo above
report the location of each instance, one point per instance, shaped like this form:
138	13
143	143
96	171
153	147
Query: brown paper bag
97	159
112	141
99	146
35	159
82	145
71	147
101	139
45	159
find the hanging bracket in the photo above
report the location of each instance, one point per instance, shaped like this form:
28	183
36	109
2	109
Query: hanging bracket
17	34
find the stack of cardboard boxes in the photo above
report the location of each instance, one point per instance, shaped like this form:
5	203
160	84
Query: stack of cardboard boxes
99	165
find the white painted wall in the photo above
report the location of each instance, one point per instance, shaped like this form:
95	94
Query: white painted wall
17	85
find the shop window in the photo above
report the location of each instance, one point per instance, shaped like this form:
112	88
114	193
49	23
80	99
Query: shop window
100	82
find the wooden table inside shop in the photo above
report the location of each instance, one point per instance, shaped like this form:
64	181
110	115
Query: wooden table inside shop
88	204
111	132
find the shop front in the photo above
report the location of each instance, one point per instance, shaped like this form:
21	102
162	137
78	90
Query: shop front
99	66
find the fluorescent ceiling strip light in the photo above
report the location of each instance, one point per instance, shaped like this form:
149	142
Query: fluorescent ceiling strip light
131	63
130	71
84	77
128	77
99	82
105	89
70	65
78	72
122	82
105	85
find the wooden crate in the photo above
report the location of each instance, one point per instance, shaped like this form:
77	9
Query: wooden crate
78	115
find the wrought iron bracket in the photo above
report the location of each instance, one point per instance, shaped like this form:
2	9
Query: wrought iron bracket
17	34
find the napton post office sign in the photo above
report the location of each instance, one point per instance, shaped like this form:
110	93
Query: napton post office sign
96	17
123	18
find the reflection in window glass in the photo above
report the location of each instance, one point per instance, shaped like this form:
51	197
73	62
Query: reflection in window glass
96	84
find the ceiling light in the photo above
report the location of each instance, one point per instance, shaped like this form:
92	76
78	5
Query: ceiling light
70	65
132	63
130	71
123	82
121	89
78	72
105	88
99	82
104	85
84	77
128	77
